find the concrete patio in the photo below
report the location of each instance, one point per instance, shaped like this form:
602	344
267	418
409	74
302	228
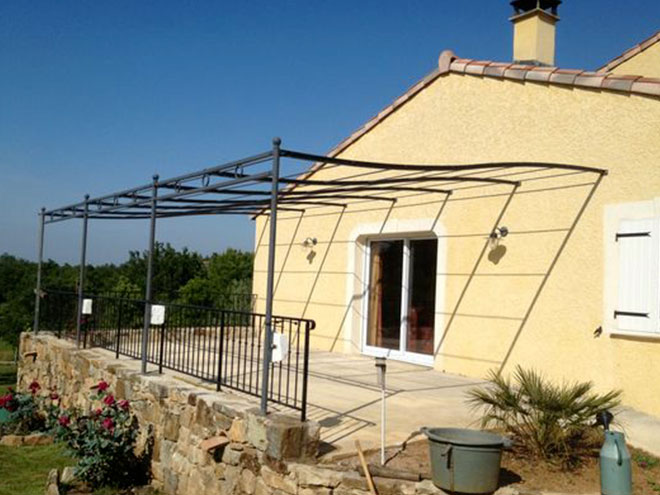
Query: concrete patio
344	397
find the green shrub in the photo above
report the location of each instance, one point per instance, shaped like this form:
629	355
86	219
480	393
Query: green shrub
103	440
28	412
554	422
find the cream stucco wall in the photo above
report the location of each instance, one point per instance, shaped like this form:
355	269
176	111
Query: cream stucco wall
534	37
646	63
469	119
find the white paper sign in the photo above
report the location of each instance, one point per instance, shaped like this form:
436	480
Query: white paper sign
157	314
280	347
87	307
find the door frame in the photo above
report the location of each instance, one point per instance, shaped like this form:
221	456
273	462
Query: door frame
400	354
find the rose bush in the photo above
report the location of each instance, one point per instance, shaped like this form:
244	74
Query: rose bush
103	440
29	412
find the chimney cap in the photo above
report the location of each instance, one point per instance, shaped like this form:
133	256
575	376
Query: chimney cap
522	6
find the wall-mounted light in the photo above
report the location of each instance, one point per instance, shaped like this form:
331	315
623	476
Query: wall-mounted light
310	242
499	233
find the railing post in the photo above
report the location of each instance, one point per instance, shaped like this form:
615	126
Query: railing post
308	328
119	322
272	238
81	276
40	257
162	347
148	291
221	350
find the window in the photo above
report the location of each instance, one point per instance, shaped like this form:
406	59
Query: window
638	301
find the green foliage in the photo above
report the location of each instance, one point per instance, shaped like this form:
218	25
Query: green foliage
645	461
103	440
28	412
179	276
555	422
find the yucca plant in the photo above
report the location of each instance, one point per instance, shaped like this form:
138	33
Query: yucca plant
555	422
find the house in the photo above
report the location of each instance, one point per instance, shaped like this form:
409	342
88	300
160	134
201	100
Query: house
566	280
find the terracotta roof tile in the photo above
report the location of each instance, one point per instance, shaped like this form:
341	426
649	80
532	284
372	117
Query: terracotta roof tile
619	83
630	53
589	80
555	75
564	76
646	86
540	74
495	69
474	67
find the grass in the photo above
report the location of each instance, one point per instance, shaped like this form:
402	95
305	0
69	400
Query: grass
25	470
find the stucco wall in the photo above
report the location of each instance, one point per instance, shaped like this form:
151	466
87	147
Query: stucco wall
645	63
468	119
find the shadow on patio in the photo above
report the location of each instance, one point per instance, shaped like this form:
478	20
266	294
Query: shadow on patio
344	397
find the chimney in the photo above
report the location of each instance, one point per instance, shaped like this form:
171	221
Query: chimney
534	31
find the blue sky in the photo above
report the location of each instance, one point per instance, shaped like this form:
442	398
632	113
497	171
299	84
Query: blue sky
98	96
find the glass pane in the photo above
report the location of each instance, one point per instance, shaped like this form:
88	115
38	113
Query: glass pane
421	308
384	320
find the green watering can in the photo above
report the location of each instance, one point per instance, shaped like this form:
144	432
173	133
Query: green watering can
615	466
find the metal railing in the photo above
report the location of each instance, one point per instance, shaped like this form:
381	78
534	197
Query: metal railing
216	345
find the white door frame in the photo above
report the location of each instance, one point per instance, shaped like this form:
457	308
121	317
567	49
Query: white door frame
401	354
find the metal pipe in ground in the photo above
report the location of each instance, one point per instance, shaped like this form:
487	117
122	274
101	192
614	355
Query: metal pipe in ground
268	334
81	275
40	257
150	262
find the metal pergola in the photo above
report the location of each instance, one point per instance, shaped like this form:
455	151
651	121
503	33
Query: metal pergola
254	186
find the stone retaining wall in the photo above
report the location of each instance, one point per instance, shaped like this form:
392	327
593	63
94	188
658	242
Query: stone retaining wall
204	442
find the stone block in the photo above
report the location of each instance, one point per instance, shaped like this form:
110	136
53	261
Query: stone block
279	481
311	475
231	457
68	475
12	440
37	439
257	431
426	487
238	431
388	486
318	490
248	481
261	488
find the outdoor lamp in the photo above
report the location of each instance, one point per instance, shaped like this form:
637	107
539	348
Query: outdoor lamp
310	242
499	232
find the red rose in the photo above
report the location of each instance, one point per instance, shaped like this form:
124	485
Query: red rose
64	421
54	396
109	400
5	400
34	386
123	404
102	386
108	424
98	411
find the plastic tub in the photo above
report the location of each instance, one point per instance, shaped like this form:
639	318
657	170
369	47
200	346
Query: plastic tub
463	460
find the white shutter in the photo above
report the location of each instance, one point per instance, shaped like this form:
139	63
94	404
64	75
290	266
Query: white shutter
639	265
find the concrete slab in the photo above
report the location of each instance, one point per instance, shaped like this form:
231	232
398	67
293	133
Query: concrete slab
345	398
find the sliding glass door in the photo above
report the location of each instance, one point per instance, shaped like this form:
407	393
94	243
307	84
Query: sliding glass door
401	299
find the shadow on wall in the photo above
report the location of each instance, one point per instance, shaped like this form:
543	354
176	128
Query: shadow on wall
494	252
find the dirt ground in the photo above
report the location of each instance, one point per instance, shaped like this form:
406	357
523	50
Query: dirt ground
530	474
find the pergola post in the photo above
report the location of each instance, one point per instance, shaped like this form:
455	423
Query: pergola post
150	261
40	257
81	273
270	280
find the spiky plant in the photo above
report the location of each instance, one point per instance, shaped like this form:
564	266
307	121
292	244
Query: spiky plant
555	422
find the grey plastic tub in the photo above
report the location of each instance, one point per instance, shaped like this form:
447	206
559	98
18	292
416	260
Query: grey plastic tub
465	461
